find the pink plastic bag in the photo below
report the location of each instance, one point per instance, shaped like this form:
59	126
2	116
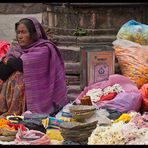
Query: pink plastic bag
32	137
123	102
126	101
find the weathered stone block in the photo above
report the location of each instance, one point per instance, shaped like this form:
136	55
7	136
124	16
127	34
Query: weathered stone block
72	68
108	19
70	54
21	8
72	97
72	80
74	89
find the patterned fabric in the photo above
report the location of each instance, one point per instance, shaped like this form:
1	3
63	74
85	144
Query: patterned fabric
44	73
12	97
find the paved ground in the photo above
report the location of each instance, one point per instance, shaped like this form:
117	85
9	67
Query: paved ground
7	23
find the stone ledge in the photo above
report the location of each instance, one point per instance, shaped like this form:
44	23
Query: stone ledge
72	68
63	40
72	80
74	89
70	54
72	97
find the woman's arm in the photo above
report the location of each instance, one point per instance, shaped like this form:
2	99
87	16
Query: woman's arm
5	71
15	63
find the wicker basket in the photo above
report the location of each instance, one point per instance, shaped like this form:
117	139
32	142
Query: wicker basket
6	132
82	116
81	108
7	138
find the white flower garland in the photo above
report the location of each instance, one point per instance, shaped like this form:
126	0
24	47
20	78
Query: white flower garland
95	94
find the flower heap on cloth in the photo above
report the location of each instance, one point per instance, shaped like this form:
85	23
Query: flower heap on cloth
107	93
119	133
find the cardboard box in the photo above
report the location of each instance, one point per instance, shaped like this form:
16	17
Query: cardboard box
97	63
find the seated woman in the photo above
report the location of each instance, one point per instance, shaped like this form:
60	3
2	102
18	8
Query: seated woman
38	82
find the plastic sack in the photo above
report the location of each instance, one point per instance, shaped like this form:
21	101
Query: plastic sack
31	137
144	91
135	32
4	47
133	60
123	102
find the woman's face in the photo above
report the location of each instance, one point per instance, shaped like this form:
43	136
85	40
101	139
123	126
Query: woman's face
23	35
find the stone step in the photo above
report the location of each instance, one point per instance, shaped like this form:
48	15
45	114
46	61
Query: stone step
72	80
74	89
90	32
83	40
72	96
70	53
72	68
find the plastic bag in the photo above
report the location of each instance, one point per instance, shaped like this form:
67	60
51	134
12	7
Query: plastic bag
133	60
144	91
4	47
135	32
123	102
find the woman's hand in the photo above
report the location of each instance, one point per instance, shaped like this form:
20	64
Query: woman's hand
5	60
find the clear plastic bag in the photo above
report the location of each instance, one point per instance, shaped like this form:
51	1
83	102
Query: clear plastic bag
133	60
134	31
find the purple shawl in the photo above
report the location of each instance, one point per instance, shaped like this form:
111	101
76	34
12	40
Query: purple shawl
44	73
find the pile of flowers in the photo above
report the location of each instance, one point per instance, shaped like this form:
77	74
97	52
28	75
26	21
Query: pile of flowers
98	94
122	133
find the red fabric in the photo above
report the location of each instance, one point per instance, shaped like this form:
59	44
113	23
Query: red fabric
144	92
4	47
110	96
17	125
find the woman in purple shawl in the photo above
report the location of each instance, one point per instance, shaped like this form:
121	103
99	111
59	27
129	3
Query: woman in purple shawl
40	85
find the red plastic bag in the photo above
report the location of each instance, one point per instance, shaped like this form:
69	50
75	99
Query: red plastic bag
17	126
144	91
110	96
4	47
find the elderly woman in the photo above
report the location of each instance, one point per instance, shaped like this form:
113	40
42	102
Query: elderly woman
38	82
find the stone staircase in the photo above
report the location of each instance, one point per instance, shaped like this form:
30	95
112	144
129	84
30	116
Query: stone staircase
72	26
70	50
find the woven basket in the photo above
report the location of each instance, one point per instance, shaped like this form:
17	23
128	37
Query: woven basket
82	116
6	132
7	138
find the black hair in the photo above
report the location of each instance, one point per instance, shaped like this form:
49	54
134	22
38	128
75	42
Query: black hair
30	26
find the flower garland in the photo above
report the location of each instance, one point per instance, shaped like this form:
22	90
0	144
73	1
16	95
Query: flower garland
96	94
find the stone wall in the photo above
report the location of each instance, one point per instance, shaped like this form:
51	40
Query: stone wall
21	8
71	25
10	13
